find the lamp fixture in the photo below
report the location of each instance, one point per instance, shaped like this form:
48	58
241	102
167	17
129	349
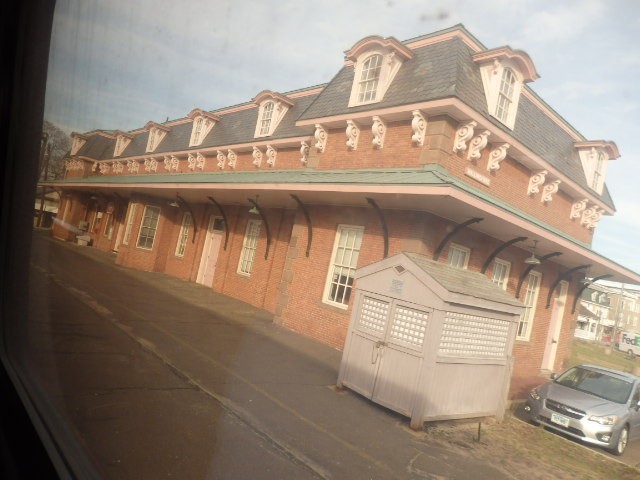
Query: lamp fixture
174	204
254	209
533	260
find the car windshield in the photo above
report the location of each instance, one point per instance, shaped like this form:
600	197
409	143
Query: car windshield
598	383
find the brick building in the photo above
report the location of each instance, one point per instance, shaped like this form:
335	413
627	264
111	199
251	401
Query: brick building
434	145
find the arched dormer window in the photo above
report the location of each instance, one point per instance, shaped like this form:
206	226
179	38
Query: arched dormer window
506	95
77	141
272	107
376	62
369	79
504	72
265	120
203	122
122	141
595	157
157	133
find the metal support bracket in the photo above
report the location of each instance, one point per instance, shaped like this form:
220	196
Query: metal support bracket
385	230
497	251
194	223
453	233
224	220
266	225
305	212
561	277
583	288
531	267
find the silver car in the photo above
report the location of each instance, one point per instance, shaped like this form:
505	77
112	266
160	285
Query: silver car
593	404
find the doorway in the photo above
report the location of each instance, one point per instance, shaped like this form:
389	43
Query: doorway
207	270
555	326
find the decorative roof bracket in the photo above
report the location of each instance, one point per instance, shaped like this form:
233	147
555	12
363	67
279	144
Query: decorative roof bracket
453	233
303	207
561	277
383	222
224	220
495	253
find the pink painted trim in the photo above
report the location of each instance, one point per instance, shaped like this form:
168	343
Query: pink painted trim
474	45
610	146
376	41
520	57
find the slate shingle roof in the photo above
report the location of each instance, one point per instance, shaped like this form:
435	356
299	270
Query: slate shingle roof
437	71
466	282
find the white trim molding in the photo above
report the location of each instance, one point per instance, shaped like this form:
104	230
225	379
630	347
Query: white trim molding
379	130
419	127
463	135
477	145
549	190
272	153
304	152
353	135
536	180
257	157
497	155
320	134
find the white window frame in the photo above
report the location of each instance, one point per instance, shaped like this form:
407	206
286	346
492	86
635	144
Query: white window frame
108	226
342	246
525	323
390	63
148	227
492	79
249	247
266	117
501	272
183	236
369	80
131	215
506	95
456	249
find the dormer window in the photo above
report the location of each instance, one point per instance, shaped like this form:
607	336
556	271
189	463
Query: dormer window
203	122
122	141
595	156
156	133
369	79
265	119
505	95
77	142
272	107
376	62
504	72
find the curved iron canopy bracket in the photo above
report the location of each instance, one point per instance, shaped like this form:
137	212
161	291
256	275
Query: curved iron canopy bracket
531	267
193	217
583	288
383	222
303	207
453	233
497	251
266	225
561	277
224	220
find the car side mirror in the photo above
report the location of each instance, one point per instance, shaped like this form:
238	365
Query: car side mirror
553	376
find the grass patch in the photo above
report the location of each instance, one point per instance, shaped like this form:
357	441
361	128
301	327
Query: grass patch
595	354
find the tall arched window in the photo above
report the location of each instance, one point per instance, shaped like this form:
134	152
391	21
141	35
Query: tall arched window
369	79
267	115
505	95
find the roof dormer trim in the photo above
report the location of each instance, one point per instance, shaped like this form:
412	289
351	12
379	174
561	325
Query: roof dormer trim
521	59
77	142
157	132
272	107
203	123
123	139
376	42
607	145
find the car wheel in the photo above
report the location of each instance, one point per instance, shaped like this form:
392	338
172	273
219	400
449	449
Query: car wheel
630	354
623	439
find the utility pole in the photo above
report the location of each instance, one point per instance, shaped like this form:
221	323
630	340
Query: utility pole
618	314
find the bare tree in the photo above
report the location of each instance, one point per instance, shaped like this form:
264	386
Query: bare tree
55	147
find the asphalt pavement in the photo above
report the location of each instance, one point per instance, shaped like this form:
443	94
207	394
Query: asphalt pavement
162	378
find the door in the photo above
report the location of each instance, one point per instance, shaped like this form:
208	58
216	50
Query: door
385	352
555	326
209	259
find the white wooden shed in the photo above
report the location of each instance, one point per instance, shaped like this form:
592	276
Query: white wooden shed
430	341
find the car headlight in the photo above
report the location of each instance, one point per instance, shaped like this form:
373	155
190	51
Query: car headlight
534	394
605	420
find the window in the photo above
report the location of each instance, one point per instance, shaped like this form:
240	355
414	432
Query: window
501	271
344	261
183	236
505	96
530	300
130	218
249	247
265	120
148	227
459	256
108	226
369	78
596	183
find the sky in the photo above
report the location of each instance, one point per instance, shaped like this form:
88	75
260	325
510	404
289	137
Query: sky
116	64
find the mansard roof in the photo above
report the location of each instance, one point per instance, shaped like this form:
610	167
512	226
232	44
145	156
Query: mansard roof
442	67
236	126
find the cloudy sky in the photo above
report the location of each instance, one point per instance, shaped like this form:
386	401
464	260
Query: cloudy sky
116	64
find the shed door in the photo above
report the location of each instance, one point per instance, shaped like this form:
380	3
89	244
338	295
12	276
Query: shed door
385	352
